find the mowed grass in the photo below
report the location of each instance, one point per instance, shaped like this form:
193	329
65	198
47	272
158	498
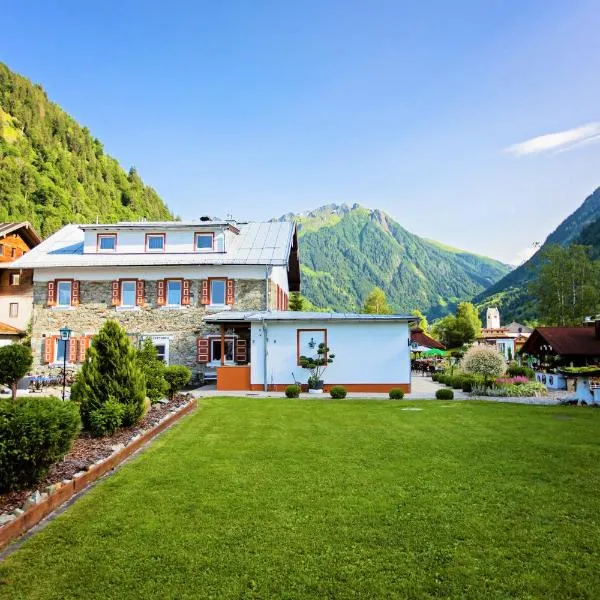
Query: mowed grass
297	499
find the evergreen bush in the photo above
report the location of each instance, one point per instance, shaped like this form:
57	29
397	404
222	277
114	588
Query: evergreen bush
177	377
34	434
292	391
106	419
338	392
110	371
396	394
154	371
444	394
515	370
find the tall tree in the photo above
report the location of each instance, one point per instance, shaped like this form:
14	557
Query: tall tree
423	325
566	287
376	303
296	302
468	313
459	329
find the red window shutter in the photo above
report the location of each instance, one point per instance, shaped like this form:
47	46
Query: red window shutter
84	344
51	293
139	292
185	292
205	296
160	292
72	350
230	291
116	293
241	351
277	296
75	293
203	350
49	348
287	301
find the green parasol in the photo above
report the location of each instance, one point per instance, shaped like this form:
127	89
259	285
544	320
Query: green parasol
433	352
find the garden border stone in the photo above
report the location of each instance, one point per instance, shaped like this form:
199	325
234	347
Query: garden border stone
64	491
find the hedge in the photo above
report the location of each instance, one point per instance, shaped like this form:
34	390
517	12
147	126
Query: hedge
34	434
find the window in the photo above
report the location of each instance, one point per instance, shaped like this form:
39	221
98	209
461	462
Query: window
61	346
64	293
308	340
155	242
204	242
161	351
128	293
13	310
217	291
215	349
174	292
107	242
15	279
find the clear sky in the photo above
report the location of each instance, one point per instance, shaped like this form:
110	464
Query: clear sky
439	113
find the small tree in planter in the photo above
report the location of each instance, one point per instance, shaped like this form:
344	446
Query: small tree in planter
317	365
485	361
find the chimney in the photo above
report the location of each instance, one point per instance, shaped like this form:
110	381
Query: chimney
597	329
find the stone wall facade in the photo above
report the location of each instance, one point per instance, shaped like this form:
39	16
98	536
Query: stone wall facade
182	326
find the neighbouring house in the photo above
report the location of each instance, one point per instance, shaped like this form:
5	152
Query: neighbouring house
16	284
372	352
508	339
160	281
421	342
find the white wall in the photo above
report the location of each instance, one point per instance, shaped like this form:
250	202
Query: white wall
152	273
134	241
365	352
280	276
25	302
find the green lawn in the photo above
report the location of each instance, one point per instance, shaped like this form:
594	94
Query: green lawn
256	498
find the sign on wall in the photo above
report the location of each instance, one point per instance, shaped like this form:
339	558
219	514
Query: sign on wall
308	341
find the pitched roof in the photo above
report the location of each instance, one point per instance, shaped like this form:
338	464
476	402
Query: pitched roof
22	228
256	244
421	338
566	341
9	330
515	327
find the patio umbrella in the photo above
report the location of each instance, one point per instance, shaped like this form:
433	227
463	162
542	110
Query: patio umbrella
434	352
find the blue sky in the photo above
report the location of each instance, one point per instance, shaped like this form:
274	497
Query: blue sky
439	113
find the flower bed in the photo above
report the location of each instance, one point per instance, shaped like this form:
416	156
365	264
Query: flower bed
88	459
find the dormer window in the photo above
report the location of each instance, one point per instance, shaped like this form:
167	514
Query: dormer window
155	242
205	242
107	242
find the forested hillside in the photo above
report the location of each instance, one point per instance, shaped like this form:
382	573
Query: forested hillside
346	251
511	293
53	171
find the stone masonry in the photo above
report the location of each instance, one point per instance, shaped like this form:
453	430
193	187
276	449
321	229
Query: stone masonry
183	325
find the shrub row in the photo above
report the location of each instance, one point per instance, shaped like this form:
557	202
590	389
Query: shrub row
459	381
34	434
338	392
515	370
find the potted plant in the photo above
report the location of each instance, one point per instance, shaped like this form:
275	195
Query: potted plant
317	365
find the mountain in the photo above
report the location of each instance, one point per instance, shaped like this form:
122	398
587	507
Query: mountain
53	171
347	250
511	295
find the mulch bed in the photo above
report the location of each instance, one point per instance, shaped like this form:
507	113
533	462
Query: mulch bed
87	450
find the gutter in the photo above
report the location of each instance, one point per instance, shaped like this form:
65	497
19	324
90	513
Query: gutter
266	354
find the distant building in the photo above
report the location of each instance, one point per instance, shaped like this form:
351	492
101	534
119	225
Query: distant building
508	339
492	318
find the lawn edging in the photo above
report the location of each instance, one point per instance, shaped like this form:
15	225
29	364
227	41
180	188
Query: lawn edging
40	505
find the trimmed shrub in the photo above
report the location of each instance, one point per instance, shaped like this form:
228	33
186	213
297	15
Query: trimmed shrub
292	391
154	371
396	394
34	434
444	394
457	382
435	377
338	392
110	371
177	377
15	362
485	361
106	419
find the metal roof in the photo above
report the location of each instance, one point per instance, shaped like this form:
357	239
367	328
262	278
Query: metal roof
288	315
256	244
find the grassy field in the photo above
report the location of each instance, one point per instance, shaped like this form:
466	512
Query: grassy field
301	499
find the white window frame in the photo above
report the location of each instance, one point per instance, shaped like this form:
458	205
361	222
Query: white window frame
210	291
215	362
58	344
160	340
134	282
162	236
16	311
58	284
169	281
15	279
197	236
107	236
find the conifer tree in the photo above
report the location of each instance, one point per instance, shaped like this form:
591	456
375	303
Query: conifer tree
110	372
154	371
376	303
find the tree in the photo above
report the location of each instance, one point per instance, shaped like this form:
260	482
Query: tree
423	324
110	372
154	371
565	289
459	329
467	313
485	361
317	364
15	363
376	303
296	302
177	376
